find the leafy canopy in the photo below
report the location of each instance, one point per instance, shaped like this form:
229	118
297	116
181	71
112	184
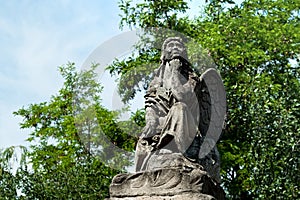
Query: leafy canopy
68	156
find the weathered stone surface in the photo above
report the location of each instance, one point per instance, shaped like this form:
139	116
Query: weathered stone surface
184	112
171	160
187	196
165	182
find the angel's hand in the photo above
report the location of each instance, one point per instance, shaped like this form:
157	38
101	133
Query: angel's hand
150	129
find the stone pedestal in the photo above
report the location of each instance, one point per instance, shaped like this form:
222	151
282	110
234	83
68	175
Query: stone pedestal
188	196
173	183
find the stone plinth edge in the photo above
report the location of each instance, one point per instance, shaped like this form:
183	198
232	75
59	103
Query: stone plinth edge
167	184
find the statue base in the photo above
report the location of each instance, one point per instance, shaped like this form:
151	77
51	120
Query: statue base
188	196
172	183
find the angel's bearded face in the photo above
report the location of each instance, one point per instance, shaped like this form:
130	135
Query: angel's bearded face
174	48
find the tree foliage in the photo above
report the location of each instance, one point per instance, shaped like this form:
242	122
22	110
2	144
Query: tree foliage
255	46
67	157
8	182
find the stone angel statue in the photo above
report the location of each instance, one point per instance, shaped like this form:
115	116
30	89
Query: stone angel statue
185	114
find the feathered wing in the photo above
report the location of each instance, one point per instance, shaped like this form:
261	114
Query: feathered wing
212	103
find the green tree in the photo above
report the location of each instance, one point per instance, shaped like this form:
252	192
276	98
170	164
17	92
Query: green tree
10	158
8	181
7	185
68	152
255	46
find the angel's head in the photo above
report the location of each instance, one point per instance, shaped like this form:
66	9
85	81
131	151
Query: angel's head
173	47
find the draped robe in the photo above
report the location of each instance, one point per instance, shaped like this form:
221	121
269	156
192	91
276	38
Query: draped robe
172	113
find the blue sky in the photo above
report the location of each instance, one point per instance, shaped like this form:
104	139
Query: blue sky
38	36
35	38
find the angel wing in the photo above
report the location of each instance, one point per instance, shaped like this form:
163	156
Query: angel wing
212	104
